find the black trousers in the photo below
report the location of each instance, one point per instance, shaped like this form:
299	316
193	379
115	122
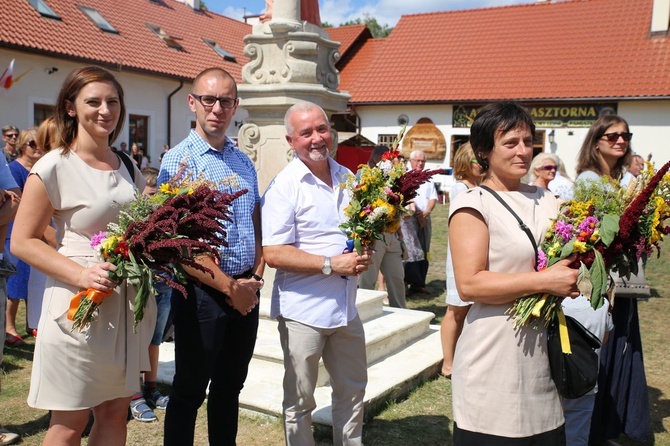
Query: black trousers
213	341
550	438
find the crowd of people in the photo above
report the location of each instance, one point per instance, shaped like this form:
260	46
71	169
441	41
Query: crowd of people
59	183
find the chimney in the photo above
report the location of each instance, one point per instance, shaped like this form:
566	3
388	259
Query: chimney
195	4
660	16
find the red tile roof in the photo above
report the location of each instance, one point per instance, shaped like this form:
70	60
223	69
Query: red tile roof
136	47
579	49
346	35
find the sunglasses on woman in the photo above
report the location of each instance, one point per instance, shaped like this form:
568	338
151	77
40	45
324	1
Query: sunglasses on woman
548	168
32	144
614	137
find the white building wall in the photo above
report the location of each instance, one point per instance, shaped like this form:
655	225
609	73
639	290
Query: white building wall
144	95
649	121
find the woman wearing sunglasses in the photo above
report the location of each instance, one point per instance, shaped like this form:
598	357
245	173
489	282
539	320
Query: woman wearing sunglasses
606	149
543	170
17	285
622	401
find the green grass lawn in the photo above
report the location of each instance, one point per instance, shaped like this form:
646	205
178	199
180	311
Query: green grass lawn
423	418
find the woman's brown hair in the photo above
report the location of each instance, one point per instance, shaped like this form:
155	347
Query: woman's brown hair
45	134
589	157
463	160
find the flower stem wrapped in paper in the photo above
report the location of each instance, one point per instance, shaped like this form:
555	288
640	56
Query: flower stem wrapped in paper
379	198
184	220
609	229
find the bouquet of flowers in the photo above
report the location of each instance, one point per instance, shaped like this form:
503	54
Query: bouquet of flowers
379	198
610	229
184	220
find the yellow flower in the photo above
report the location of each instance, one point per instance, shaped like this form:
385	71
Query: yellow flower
661	212
111	243
595	236
381	203
580	209
393	226
554	250
579	246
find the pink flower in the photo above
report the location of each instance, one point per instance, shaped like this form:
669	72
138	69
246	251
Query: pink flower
588	225
98	238
541	260
564	230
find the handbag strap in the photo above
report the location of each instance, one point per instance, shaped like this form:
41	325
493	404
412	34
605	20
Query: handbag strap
128	163
522	225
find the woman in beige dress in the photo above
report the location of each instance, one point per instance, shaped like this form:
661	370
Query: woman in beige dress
79	184
503	393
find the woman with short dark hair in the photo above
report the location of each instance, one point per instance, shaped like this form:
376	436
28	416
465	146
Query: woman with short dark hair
503	393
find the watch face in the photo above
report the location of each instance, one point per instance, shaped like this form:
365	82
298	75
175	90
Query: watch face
326	268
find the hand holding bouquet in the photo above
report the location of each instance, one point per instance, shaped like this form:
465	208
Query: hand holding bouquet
610	229
184	220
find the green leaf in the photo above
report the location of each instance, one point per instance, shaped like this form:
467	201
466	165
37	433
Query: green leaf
567	249
584	281
358	246
599	281
609	228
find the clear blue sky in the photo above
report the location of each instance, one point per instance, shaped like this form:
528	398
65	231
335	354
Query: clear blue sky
339	11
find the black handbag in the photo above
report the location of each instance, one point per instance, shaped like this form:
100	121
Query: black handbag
574	374
574	368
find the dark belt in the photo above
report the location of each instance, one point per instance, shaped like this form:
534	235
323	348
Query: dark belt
244	275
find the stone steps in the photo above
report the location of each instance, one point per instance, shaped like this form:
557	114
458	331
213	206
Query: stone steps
403	350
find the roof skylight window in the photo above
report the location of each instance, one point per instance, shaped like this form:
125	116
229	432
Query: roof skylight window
98	19
44	9
168	39
220	51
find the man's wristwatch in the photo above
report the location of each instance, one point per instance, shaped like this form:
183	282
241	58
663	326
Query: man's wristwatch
326	268
258	278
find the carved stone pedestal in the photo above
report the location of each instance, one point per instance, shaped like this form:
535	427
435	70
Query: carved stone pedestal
290	62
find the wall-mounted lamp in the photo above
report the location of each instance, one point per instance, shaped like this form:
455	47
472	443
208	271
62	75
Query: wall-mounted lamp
51	70
552	136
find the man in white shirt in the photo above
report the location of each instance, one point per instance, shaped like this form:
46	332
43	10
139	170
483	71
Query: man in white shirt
314	294
424	203
633	171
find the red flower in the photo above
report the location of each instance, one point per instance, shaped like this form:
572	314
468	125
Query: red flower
390	155
122	248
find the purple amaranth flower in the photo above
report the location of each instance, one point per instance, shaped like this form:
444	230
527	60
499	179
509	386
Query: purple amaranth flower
564	230
98	238
541	260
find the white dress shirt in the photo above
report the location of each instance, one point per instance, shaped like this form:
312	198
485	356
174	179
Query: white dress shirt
424	194
299	209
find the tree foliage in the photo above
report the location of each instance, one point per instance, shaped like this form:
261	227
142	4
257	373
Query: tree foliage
375	28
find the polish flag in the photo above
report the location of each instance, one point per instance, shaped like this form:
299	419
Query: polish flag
6	78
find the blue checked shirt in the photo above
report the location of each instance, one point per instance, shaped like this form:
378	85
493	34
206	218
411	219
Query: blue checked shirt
217	165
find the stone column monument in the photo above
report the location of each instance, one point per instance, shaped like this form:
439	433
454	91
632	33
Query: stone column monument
290	61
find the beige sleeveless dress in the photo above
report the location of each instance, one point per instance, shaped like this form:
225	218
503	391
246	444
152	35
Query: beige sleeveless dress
501	380
73	370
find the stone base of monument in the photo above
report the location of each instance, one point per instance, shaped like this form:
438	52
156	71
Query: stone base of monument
403	350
